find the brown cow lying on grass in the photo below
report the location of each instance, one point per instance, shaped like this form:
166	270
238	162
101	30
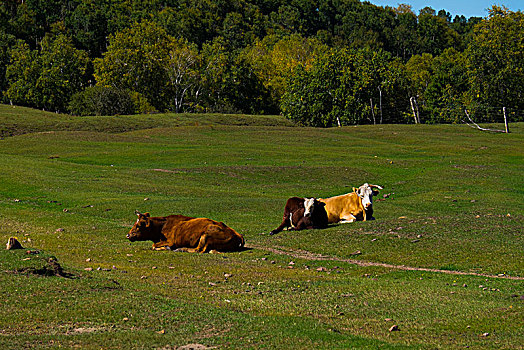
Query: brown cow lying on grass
183	233
354	206
302	213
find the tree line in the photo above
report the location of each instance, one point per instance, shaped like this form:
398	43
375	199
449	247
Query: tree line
319	63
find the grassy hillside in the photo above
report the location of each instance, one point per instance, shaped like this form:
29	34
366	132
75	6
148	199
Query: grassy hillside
15	120
69	187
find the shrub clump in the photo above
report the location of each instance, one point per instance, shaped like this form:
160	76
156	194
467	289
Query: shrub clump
107	100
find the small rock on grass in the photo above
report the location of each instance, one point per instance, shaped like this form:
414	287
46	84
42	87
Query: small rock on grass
13	243
394	328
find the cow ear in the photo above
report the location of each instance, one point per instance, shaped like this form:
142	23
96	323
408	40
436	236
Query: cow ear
375	192
322	204
146	215
355	189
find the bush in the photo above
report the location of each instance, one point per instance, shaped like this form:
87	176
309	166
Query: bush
105	100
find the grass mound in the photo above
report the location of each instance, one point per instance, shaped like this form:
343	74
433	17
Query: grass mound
32	262
16	120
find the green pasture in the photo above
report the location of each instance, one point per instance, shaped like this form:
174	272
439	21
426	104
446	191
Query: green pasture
453	201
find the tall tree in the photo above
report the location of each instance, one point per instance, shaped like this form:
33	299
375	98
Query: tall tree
21	75
274	60
145	59
346	87
136	60
46	79
445	91
435	33
419	70
495	59
404	33
89	25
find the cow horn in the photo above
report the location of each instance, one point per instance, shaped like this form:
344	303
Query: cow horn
377	186
137	212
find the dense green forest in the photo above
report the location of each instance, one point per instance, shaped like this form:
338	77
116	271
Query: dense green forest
319	63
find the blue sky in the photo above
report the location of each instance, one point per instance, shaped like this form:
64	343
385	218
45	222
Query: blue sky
468	8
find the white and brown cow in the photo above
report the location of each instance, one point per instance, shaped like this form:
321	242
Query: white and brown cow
353	206
302	213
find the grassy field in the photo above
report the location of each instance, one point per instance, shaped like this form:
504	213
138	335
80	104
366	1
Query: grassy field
453	201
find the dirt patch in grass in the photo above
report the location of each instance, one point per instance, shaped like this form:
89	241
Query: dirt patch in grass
303	254
50	267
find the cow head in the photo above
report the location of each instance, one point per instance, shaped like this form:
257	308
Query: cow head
141	230
309	206
366	193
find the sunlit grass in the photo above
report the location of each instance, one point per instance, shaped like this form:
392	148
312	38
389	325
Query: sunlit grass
455	202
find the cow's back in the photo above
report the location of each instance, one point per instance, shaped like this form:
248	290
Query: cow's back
187	231
340	206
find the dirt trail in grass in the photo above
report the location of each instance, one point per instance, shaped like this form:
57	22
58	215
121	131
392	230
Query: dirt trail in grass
303	254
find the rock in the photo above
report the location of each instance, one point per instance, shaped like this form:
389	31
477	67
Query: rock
394	328
163	331
88	269
358	252
12	243
320	269
59	230
194	347
486	334
88	260
125	319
